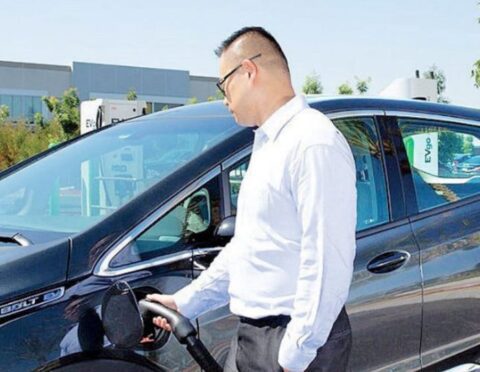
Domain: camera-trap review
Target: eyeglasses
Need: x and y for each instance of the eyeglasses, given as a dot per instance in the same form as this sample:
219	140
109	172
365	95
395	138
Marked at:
222	81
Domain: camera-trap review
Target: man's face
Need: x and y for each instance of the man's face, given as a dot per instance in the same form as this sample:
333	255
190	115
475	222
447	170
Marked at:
236	88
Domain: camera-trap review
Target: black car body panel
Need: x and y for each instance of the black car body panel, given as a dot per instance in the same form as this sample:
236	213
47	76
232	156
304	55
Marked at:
24	270
409	317
451	277
385	310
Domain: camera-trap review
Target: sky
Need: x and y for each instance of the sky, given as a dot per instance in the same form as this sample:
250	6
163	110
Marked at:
336	39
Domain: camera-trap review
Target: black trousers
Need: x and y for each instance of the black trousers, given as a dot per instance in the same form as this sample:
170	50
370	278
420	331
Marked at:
258	340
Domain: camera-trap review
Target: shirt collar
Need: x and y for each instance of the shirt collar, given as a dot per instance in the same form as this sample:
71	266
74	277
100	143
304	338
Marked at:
274	124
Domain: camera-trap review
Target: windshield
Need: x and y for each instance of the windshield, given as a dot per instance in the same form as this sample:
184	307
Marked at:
76	186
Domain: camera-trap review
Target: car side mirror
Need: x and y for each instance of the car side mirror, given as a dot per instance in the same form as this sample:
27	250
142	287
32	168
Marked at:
226	229
198	213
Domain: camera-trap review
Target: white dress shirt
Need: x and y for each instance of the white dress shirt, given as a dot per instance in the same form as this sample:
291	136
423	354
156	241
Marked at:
294	243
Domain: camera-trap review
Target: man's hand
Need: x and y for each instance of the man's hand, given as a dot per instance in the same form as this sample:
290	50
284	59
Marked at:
168	301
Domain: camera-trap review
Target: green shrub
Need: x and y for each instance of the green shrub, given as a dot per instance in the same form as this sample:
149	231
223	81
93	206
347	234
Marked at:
66	111
19	141
4	113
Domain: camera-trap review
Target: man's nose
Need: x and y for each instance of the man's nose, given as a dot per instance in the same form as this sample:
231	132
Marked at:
225	101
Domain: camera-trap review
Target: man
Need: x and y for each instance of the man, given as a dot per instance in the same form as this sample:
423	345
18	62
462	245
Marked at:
287	270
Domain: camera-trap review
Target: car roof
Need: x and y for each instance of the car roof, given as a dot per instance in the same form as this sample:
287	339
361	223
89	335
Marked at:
330	105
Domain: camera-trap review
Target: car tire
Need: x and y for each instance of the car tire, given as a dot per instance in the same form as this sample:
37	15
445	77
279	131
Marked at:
105	361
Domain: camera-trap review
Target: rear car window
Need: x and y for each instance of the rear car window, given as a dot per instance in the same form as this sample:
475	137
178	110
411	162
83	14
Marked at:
444	158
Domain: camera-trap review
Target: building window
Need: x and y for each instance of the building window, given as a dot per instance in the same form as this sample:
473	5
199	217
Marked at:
7	101
16	109
37	105
22	107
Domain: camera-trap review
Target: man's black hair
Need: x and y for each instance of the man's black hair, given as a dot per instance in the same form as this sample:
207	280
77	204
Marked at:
245	30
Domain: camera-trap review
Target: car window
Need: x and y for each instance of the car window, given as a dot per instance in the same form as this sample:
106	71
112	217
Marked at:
372	202
188	224
361	134
444	158
235	177
82	183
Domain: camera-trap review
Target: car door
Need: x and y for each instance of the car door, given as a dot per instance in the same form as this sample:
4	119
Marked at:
157	256
385	299
445	198
384	304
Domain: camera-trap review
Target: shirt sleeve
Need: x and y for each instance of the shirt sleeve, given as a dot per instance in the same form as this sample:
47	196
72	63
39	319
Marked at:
210	290
323	188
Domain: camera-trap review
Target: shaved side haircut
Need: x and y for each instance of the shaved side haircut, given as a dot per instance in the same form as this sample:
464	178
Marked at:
257	36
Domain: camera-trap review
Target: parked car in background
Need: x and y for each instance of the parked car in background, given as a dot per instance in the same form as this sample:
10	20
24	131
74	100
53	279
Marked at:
151	201
469	165
461	157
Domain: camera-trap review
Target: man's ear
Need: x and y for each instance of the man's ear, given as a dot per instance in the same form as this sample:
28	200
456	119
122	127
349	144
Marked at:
250	67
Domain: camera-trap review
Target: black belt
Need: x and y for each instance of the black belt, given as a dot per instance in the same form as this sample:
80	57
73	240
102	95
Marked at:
283	320
270	321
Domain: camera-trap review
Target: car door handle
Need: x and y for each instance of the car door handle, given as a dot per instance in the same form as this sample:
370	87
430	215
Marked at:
388	261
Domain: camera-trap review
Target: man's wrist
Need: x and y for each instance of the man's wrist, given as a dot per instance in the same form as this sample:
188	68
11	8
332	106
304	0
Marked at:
294	357
184	301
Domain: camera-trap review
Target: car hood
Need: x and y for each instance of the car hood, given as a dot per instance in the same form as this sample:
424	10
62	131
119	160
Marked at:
26	270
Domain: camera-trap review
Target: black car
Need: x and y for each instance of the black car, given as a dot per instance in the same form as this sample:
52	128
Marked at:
152	200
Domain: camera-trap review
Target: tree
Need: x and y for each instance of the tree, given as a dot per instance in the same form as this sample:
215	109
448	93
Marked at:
312	84
345	89
66	111
468	145
38	119
476	74
19	141
449	144
362	85
434	73
51	102
192	101
217	97
476	68
4	113
132	95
